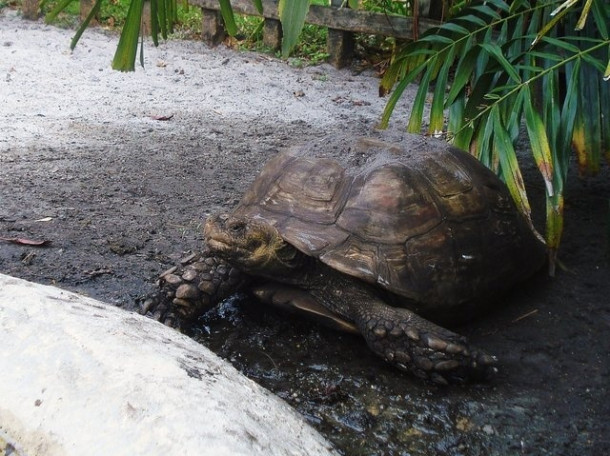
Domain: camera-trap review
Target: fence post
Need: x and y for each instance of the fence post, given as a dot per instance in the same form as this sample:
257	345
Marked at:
29	9
339	44
272	33
213	28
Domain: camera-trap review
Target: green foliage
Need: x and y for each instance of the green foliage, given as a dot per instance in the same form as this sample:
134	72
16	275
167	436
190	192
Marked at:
505	63
312	44
92	14
125	56
386	6
114	12
164	14
227	16
61	13
111	12
292	16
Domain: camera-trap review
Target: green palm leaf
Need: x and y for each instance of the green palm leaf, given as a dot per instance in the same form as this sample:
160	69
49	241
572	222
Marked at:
541	149
125	55
515	63
292	16
227	16
79	32
164	15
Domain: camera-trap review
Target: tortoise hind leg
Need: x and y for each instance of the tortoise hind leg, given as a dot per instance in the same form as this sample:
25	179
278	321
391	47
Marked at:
300	301
417	345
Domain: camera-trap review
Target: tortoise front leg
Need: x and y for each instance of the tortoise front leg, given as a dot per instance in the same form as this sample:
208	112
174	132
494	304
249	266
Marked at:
188	290
417	345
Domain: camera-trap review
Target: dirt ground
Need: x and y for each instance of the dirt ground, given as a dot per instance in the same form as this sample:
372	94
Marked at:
88	163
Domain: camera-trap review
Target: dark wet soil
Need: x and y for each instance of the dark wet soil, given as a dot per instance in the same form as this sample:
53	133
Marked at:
119	212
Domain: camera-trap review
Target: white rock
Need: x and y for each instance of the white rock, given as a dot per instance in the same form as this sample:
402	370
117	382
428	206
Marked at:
79	377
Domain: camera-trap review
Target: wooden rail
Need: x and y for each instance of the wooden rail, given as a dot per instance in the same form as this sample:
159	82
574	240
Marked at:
341	22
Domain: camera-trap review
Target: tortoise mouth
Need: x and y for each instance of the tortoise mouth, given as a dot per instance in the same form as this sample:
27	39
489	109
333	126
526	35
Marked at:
217	245
247	243
214	236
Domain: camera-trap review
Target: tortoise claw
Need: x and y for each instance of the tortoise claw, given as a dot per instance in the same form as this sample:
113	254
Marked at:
159	307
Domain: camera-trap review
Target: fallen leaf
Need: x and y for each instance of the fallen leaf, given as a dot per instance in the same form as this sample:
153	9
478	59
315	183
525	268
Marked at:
23	241
463	424
162	117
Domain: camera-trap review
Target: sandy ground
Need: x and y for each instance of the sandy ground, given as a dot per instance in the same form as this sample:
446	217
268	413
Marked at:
86	163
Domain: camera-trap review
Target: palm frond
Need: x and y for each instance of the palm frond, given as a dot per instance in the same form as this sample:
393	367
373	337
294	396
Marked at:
292	16
125	55
81	29
227	15
516	63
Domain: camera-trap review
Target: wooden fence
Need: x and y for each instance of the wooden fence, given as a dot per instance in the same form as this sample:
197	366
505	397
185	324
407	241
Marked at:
342	23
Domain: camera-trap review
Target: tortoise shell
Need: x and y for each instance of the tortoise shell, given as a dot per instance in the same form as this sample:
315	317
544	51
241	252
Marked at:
420	218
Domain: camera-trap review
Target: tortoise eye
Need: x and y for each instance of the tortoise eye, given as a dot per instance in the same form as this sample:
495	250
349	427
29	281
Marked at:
236	227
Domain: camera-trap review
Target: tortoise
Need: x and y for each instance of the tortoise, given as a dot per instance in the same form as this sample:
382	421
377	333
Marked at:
389	240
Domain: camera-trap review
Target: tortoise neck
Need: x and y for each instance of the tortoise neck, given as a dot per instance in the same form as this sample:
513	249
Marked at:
287	264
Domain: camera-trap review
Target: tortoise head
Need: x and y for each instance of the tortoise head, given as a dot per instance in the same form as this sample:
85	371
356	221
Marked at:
250	245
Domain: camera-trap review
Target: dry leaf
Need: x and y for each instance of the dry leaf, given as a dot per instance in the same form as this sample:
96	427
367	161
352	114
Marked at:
162	117
23	241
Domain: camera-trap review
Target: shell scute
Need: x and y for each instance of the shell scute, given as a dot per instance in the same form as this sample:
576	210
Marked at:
354	257
388	205
448	177
307	189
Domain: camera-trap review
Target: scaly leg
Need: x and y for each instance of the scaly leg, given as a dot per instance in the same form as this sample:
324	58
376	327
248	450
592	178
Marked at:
419	346
188	290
